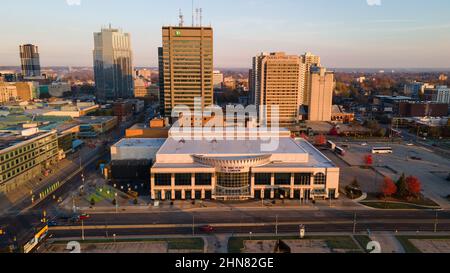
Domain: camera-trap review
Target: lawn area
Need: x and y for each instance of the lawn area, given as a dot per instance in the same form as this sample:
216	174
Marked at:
102	193
173	243
410	247
236	244
393	205
362	240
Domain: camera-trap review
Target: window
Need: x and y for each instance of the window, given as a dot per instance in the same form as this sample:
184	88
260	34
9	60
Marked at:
320	179
183	179
163	179
262	178
282	179
302	179
203	179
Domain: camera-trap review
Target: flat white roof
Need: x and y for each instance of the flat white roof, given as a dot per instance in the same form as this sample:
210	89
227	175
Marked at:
140	142
288	153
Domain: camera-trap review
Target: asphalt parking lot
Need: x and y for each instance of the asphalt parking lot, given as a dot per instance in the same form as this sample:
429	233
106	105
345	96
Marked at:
430	168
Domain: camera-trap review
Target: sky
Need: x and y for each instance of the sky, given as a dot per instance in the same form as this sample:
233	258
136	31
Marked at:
345	33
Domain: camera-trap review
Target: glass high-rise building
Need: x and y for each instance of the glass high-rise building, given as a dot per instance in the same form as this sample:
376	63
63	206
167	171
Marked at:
186	67
113	67
30	63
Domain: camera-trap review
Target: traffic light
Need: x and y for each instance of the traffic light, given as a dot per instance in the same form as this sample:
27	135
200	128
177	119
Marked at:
2	232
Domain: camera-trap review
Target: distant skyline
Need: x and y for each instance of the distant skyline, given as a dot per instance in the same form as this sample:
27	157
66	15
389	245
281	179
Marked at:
345	33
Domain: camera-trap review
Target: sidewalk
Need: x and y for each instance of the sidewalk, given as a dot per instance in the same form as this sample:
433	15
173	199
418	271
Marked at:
219	206
18	200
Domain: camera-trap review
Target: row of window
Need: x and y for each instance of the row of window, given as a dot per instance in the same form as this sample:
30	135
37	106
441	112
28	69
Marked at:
19	170
183	179
300	179
204	179
28	156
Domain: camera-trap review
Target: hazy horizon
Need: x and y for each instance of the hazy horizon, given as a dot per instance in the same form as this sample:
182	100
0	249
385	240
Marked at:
348	34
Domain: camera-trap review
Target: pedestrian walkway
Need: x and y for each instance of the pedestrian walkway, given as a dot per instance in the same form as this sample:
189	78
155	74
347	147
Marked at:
166	206
388	243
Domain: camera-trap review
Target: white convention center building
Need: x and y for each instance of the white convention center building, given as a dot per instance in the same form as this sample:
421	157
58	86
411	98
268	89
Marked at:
239	168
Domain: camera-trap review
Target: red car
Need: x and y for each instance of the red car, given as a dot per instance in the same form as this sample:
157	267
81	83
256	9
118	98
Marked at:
207	229
84	216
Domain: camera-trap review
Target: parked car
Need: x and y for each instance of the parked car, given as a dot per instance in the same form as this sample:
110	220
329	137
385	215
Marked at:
207	229
84	216
52	223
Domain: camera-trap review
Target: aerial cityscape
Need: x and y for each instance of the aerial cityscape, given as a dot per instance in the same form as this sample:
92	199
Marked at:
174	129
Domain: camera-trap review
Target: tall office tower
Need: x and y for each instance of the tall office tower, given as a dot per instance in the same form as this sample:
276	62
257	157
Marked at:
187	67
278	82
251	87
309	60
113	66
29	58
321	95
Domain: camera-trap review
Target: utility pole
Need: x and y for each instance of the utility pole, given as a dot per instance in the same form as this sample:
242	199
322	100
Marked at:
436	222
193	225
276	225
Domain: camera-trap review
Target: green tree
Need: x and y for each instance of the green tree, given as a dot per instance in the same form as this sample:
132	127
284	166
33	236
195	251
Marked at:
92	201
355	184
402	187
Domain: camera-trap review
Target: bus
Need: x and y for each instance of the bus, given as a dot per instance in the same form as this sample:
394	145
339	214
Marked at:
340	151
382	150
37	238
331	145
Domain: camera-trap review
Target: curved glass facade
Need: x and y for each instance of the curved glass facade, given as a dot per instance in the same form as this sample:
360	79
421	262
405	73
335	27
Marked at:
233	184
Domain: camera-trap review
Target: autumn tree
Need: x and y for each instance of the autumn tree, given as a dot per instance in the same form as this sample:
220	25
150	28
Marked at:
414	186
368	159
320	140
334	131
389	188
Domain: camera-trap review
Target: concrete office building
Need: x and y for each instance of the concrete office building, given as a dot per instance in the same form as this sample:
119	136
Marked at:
29	59
186	67
113	68
320	96
237	169
309	60
416	89
25	155
8	93
442	94
278	81
217	79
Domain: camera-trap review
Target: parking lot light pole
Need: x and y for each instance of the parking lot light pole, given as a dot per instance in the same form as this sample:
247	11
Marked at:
82	230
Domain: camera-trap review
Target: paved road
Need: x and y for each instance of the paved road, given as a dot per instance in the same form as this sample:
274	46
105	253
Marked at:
243	222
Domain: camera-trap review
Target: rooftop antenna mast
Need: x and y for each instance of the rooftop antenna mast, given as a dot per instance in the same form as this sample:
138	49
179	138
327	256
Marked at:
192	13
201	17
196	17
181	22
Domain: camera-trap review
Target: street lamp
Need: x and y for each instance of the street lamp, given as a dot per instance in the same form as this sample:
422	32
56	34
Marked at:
302	231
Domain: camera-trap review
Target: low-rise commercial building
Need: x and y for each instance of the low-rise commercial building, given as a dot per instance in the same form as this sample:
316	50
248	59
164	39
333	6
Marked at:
132	158
338	114
91	127
24	156
239	169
